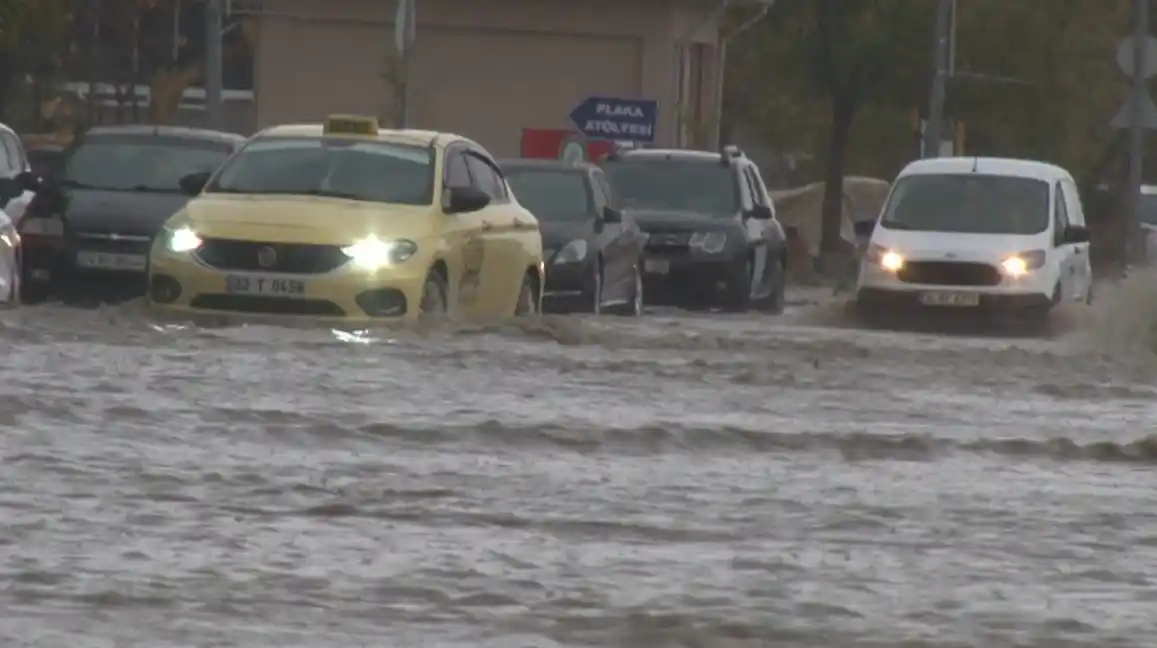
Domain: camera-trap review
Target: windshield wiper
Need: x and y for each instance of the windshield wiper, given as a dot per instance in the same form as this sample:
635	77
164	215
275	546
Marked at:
330	194
155	189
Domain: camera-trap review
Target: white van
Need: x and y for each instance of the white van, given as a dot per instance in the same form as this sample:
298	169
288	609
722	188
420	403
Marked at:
978	234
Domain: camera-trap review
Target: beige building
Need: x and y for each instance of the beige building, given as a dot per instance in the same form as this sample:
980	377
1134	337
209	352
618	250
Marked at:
489	68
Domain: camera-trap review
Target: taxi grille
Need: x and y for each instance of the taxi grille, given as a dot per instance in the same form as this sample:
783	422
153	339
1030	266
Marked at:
267	305
291	258
949	273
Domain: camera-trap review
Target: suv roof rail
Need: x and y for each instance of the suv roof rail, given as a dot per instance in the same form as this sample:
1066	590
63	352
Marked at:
731	151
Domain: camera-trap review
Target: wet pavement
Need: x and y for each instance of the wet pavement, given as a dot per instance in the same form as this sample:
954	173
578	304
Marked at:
695	481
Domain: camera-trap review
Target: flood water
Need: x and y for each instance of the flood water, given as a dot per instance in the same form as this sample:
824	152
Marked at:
672	481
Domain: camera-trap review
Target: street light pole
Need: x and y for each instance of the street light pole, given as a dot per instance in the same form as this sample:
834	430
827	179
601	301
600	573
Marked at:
934	130
214	66
1135	248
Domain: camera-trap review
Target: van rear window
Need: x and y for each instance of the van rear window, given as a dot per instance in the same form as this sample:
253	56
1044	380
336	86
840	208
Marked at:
968	203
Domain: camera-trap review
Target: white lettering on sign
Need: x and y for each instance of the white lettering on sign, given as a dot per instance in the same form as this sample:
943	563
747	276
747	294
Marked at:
616	129
610	110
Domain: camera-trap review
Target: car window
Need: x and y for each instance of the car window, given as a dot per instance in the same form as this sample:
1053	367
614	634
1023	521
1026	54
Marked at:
19	162
370	171
141	162
757	196
761	188
606	189
1060	217
552	194
968	203
1073	203
705	187
598	190
485	177
457	174
8	166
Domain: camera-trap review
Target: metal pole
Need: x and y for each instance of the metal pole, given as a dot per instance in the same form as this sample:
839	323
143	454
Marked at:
934	131
1134	248
721	71
214	66
404	91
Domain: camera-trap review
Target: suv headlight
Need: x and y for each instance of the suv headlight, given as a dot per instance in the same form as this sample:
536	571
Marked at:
1021	264
887	259
573	252
710	242
181	240
372	253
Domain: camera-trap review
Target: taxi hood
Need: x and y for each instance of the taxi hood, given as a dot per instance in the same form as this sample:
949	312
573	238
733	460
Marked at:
304	219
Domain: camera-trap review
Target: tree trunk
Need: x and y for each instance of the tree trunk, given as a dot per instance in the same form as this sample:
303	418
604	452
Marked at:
833	248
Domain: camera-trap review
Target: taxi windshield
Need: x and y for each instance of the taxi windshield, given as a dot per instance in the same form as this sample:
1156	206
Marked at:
371	171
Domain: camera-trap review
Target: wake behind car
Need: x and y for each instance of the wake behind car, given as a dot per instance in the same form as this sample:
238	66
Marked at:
593	253
347	220
88	231
976	235
712	235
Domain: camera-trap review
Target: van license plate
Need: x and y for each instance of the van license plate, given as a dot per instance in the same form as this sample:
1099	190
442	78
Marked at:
958	299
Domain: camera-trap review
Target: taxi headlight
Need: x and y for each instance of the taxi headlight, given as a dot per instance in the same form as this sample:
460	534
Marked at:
573	252
183	240
372	252
889	260
1021	264
710	242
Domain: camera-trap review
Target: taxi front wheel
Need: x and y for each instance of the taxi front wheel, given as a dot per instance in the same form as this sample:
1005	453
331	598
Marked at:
433	306
527	297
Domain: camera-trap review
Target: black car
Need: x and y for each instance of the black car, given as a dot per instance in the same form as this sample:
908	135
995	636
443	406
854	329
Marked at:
88	231
592	251
712	235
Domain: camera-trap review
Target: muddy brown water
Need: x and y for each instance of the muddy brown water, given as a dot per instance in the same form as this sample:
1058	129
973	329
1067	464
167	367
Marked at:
671	481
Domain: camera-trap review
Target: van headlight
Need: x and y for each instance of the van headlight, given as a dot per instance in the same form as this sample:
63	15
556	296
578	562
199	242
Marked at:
709	242
372	253
1021	264
889	260
573	252
182	240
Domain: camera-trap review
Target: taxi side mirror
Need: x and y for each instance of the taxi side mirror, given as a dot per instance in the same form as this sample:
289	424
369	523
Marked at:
463	200
193	183
612	215
1077	234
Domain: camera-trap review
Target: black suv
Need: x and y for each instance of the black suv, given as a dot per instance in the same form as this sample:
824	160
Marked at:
712	235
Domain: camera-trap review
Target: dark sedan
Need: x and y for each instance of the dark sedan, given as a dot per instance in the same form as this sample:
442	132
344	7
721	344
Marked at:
87	232
592	252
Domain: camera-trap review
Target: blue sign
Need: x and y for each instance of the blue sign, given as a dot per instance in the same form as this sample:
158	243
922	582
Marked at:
610	118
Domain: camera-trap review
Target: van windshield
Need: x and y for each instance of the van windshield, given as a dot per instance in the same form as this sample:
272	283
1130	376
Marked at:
968	203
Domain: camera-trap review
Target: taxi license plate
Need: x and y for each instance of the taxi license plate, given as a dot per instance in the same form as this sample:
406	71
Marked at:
657	266
237	285
957	299
111	261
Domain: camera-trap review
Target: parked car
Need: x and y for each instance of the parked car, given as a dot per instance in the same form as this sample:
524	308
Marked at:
712	234
46	160
593	252
88	232
976	235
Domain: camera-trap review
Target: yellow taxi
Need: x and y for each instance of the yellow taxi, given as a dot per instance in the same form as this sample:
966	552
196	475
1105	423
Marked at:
348	220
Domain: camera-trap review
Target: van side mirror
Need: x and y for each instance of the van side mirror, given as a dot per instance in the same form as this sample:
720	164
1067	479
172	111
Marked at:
864	228
612	215
194	183
760	212
1077	234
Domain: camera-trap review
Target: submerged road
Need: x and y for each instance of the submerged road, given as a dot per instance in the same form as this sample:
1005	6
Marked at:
672	481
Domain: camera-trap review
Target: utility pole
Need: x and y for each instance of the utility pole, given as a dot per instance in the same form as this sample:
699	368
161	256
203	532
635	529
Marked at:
1135	246
405	33
934	130
214	65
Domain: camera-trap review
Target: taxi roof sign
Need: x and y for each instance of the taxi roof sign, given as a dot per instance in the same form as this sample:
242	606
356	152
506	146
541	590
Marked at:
350	125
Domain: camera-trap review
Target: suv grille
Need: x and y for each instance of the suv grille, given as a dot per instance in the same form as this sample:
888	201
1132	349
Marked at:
290	258
668	240
949	273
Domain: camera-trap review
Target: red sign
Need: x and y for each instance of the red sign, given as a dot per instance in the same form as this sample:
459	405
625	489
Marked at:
562	144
